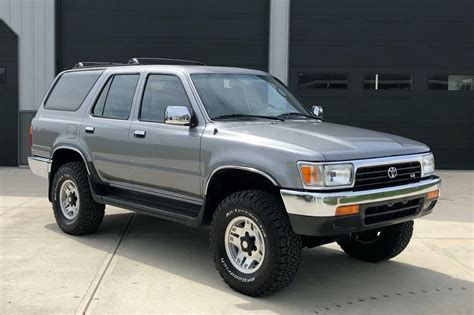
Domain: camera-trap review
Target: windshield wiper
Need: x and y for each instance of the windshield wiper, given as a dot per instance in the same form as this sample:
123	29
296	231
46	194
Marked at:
293	114
231	116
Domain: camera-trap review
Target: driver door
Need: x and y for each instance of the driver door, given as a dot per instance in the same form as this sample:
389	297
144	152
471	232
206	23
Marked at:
165	157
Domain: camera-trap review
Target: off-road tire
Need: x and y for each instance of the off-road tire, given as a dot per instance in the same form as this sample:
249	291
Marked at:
391	242
282	245
90	213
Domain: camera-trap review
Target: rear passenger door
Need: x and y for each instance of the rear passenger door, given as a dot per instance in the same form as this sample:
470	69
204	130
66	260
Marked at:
165	157
106	127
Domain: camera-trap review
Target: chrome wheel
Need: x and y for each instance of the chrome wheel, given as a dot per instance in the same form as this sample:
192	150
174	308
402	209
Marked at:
69	199
244	244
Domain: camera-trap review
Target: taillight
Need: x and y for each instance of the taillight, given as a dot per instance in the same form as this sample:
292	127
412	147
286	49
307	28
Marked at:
30	135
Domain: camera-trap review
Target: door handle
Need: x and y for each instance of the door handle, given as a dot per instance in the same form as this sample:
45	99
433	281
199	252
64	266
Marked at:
139	133
89	129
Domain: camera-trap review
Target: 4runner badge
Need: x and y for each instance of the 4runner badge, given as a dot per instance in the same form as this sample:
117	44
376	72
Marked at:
392	172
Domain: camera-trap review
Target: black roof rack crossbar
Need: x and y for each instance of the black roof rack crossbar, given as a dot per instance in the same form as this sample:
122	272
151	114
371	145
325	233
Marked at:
163	61
85	64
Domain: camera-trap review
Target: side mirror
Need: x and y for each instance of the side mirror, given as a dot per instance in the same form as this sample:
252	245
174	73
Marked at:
178	115
318	111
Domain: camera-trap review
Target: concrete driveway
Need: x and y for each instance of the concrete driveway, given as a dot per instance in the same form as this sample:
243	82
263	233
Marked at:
137	264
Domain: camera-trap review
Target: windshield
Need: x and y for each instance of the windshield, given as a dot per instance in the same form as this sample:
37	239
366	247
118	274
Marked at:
240	95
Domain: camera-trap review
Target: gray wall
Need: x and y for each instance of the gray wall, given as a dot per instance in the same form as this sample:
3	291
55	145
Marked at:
34	23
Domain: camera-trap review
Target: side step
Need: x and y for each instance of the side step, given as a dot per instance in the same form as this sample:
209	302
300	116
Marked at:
158	206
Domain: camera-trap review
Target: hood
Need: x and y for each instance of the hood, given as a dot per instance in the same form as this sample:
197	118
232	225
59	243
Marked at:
334	142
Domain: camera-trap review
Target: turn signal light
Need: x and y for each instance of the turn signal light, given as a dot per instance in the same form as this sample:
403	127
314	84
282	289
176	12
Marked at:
346	210
432	195
309	173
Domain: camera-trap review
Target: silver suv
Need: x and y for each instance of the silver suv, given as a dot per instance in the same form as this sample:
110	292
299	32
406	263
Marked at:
230	148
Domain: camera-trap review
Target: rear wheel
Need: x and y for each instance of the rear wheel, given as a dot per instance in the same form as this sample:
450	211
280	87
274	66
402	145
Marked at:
379	244
255	249
75	211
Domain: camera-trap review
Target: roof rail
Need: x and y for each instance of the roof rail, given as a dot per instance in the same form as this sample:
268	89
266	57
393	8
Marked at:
86	64
163	61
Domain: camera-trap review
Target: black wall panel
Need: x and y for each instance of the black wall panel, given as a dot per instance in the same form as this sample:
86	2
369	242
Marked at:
230	33
8	96
420	38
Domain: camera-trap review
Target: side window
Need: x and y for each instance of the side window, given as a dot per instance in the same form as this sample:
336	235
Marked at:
115	100
71	89
161	91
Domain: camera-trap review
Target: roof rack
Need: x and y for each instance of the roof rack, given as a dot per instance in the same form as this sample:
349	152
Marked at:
163	61
85	64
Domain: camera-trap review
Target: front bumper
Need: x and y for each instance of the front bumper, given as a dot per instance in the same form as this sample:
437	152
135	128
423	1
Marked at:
39	165
313	213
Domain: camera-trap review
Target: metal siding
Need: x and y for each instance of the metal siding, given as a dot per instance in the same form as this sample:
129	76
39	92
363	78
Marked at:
33	22
278	41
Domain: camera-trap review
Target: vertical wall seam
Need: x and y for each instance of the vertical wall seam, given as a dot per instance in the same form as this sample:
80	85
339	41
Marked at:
279	39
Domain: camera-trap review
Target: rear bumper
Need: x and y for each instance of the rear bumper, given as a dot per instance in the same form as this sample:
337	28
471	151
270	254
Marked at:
313	213
39	165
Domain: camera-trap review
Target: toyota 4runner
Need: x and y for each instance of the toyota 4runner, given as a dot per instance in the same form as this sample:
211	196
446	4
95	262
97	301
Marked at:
230	148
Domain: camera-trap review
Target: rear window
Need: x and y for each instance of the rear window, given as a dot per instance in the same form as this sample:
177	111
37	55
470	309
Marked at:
71	89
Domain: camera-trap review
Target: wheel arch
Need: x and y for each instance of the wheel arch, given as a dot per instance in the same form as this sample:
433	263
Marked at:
61	155
225	180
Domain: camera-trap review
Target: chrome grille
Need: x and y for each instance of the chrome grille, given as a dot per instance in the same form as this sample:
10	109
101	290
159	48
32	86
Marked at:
373	177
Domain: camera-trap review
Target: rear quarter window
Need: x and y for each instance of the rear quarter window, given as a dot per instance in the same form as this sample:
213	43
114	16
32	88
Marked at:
71	89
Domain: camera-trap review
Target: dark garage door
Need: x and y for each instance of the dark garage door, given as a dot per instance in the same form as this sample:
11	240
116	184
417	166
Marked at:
226	32
8	96
403	67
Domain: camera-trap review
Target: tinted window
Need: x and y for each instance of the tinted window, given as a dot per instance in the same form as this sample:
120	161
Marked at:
451	82
71	90
323	81
162	91
379	81
3	76
116	98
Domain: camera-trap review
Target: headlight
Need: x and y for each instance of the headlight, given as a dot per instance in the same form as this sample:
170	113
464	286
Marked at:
428	164
326	175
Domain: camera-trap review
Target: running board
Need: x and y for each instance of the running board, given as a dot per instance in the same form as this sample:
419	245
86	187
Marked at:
158	206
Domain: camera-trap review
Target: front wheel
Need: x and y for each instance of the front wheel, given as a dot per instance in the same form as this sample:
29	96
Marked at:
255	249
379	244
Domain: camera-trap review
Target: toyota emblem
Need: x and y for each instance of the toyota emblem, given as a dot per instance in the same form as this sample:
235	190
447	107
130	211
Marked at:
392	172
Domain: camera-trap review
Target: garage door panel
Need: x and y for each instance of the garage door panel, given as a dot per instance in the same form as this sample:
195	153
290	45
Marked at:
415	55
225	53
216	33
202	6
210	26
417	38
419	8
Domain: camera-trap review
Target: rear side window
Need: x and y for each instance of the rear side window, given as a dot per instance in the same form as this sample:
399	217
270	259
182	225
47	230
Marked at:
115	100
71	89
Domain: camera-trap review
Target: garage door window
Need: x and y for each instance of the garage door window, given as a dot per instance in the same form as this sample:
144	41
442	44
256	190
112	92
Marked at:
3	76
380	81
451	82
323	81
